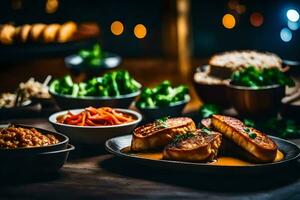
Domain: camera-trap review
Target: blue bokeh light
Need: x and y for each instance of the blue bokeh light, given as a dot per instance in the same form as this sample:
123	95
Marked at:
286	35
293	25
292	15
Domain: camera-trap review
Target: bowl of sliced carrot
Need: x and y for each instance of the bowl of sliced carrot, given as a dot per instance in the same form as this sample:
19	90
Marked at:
94	125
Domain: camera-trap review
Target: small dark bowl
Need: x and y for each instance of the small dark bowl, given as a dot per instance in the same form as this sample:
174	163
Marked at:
62	144
291	110
24	105
25	110
34	163
43	101
256	102
76	64
70	102
174	110
211	93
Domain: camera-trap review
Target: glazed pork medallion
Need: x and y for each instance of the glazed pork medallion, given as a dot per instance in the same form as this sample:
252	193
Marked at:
256	143
160	132
200	145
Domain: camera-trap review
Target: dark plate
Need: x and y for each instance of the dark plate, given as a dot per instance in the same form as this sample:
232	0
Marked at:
291	151
63	143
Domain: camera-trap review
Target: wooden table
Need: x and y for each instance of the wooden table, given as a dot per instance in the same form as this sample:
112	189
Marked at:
92	173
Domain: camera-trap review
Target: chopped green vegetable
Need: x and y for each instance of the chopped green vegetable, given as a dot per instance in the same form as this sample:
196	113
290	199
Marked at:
92	57
75	90
255	78
114	83
207	110
68	81
162	95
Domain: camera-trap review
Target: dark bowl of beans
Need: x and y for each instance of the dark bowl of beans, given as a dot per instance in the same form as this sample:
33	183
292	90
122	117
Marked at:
22	139
26	150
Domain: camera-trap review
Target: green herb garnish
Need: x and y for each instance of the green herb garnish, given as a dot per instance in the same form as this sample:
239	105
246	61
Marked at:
247	129
249	122
162	122
255	78
181	137
206	130
207	110
252	135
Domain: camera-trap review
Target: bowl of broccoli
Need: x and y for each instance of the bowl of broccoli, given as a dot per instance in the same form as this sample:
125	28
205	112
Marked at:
92	60
258	92
114	89
163	100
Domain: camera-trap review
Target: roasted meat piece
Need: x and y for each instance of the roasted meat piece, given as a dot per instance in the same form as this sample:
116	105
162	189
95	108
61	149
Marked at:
197	147
158	133
256	143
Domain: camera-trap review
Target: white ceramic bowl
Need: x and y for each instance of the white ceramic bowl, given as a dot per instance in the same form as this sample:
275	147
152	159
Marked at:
94	134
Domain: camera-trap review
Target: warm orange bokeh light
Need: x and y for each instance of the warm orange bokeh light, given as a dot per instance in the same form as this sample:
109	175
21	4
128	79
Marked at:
256	19
228	21
140	31
117	28
51	6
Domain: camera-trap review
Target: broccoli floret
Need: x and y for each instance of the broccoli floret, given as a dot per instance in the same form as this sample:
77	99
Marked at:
162	95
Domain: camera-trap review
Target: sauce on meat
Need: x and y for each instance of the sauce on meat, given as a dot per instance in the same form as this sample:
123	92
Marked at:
221	161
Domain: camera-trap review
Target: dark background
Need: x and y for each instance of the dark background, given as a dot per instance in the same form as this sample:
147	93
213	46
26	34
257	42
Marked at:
208	36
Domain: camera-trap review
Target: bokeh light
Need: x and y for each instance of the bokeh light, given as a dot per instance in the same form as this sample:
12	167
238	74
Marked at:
232	4
256	19
286	35
117	28
228	21
51	6
292	15
293	25
140	31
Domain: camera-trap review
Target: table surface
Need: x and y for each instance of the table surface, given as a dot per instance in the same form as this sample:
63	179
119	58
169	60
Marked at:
92	173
